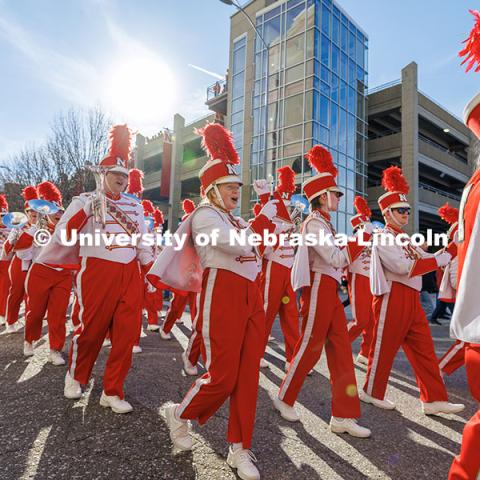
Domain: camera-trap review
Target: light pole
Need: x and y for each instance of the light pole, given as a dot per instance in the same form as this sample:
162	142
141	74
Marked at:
267	51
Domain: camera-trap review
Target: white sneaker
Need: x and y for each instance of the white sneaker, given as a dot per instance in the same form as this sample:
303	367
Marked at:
2	320
385	404
11	328
287	367
27	349
286	411
152	327
115	403
137	349
361	359
56	358
142	333
179	320
348	425
434	408
72	389
179	430
243	461
164	335
107	343
188	367
263	363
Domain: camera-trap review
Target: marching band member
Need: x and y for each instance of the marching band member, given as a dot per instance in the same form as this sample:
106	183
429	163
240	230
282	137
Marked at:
359	287
109	284
465	324
177	307
275	283
17	241
318	269
396	279
48	289
454	357
231	315
4	260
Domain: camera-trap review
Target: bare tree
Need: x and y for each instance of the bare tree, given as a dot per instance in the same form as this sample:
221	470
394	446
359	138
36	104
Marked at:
77	138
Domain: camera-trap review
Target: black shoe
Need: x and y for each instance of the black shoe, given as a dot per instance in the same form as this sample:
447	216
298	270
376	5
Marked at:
434	321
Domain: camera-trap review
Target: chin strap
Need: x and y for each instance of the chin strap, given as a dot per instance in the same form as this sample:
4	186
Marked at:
392	218
329	201
219	197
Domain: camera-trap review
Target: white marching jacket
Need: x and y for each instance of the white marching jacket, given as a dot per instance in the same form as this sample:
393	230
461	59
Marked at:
448	286
282	254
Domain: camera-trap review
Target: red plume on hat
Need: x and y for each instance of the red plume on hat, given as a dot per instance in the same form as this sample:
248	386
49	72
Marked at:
3	204
361	206
286	179
471	51
29	193
448	213
135	182
394	181
148	208
256	209
188	207
158	218
119	149
321	160
217	141
48	191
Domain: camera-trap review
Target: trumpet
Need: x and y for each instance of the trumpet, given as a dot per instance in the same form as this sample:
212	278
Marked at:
15	221
99	204
43	208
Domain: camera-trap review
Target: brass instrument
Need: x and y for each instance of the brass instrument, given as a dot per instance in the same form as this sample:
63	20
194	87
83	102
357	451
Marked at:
15	221
99	204
299	204
43	208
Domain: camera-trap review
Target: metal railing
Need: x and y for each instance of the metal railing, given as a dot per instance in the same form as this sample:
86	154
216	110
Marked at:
383	86
442	148
425	186
217	89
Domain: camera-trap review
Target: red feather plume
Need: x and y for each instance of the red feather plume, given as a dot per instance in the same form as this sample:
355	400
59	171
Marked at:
158	217
286	179
148	208
361	206
256	209
188	206
394	181
448	214
29	193
135	183
120	139
321	160
471	51
217	141
48	191
3	202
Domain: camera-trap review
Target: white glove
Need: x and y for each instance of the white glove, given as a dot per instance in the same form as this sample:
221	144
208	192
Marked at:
261	187
368	228
443	259
269	209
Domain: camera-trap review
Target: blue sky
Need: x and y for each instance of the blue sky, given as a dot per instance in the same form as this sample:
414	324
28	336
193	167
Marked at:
56	54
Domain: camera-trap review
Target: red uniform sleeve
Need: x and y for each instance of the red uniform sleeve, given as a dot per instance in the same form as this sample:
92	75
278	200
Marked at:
76	222
25	241
259	224
423	266
355	248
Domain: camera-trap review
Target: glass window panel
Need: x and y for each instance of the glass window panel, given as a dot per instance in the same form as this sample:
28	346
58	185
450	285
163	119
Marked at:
342	131
292	149
272	13
293	110
292	134
310	107
237	131
334	126
272	96
352	72
239	60
351	163
351	44
324	135
342	159
310	44
342	176
335	30
343	94
271	31
236	117
335	59
341	219
294	88
349	201
359	56
308	129
273	114
335	86
343	66
292	3
336	11
238	84
325	20
295	50
316	132
351	179
295	20
311	82
351	136
324	110
360	148
310	13
274	59
360	106
351	100
237	104
325	74
294	73
325	49
274	81
325	88
240	43
258	65
272	139
343	37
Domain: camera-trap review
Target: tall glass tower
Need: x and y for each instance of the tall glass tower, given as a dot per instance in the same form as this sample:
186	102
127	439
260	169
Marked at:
314	74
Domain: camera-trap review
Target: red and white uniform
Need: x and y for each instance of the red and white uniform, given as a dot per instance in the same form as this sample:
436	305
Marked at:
361	301
324	321
48	289
177	307
232	322
396	280
278	295
4	265
109	289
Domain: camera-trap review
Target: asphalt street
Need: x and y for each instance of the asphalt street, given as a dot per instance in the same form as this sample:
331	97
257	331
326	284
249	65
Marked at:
43	435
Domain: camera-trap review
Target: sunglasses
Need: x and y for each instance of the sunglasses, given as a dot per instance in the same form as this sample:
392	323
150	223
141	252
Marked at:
403	210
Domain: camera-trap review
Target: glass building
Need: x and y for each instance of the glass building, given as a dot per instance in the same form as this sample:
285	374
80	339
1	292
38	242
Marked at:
316	66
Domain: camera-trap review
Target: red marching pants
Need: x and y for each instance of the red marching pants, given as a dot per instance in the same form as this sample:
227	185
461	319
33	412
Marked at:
401	322
325	325
279	297
233	323
4	286
47	290
361	299
153	304
110	296
453	359
467	465
177	307
16	294
75	310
